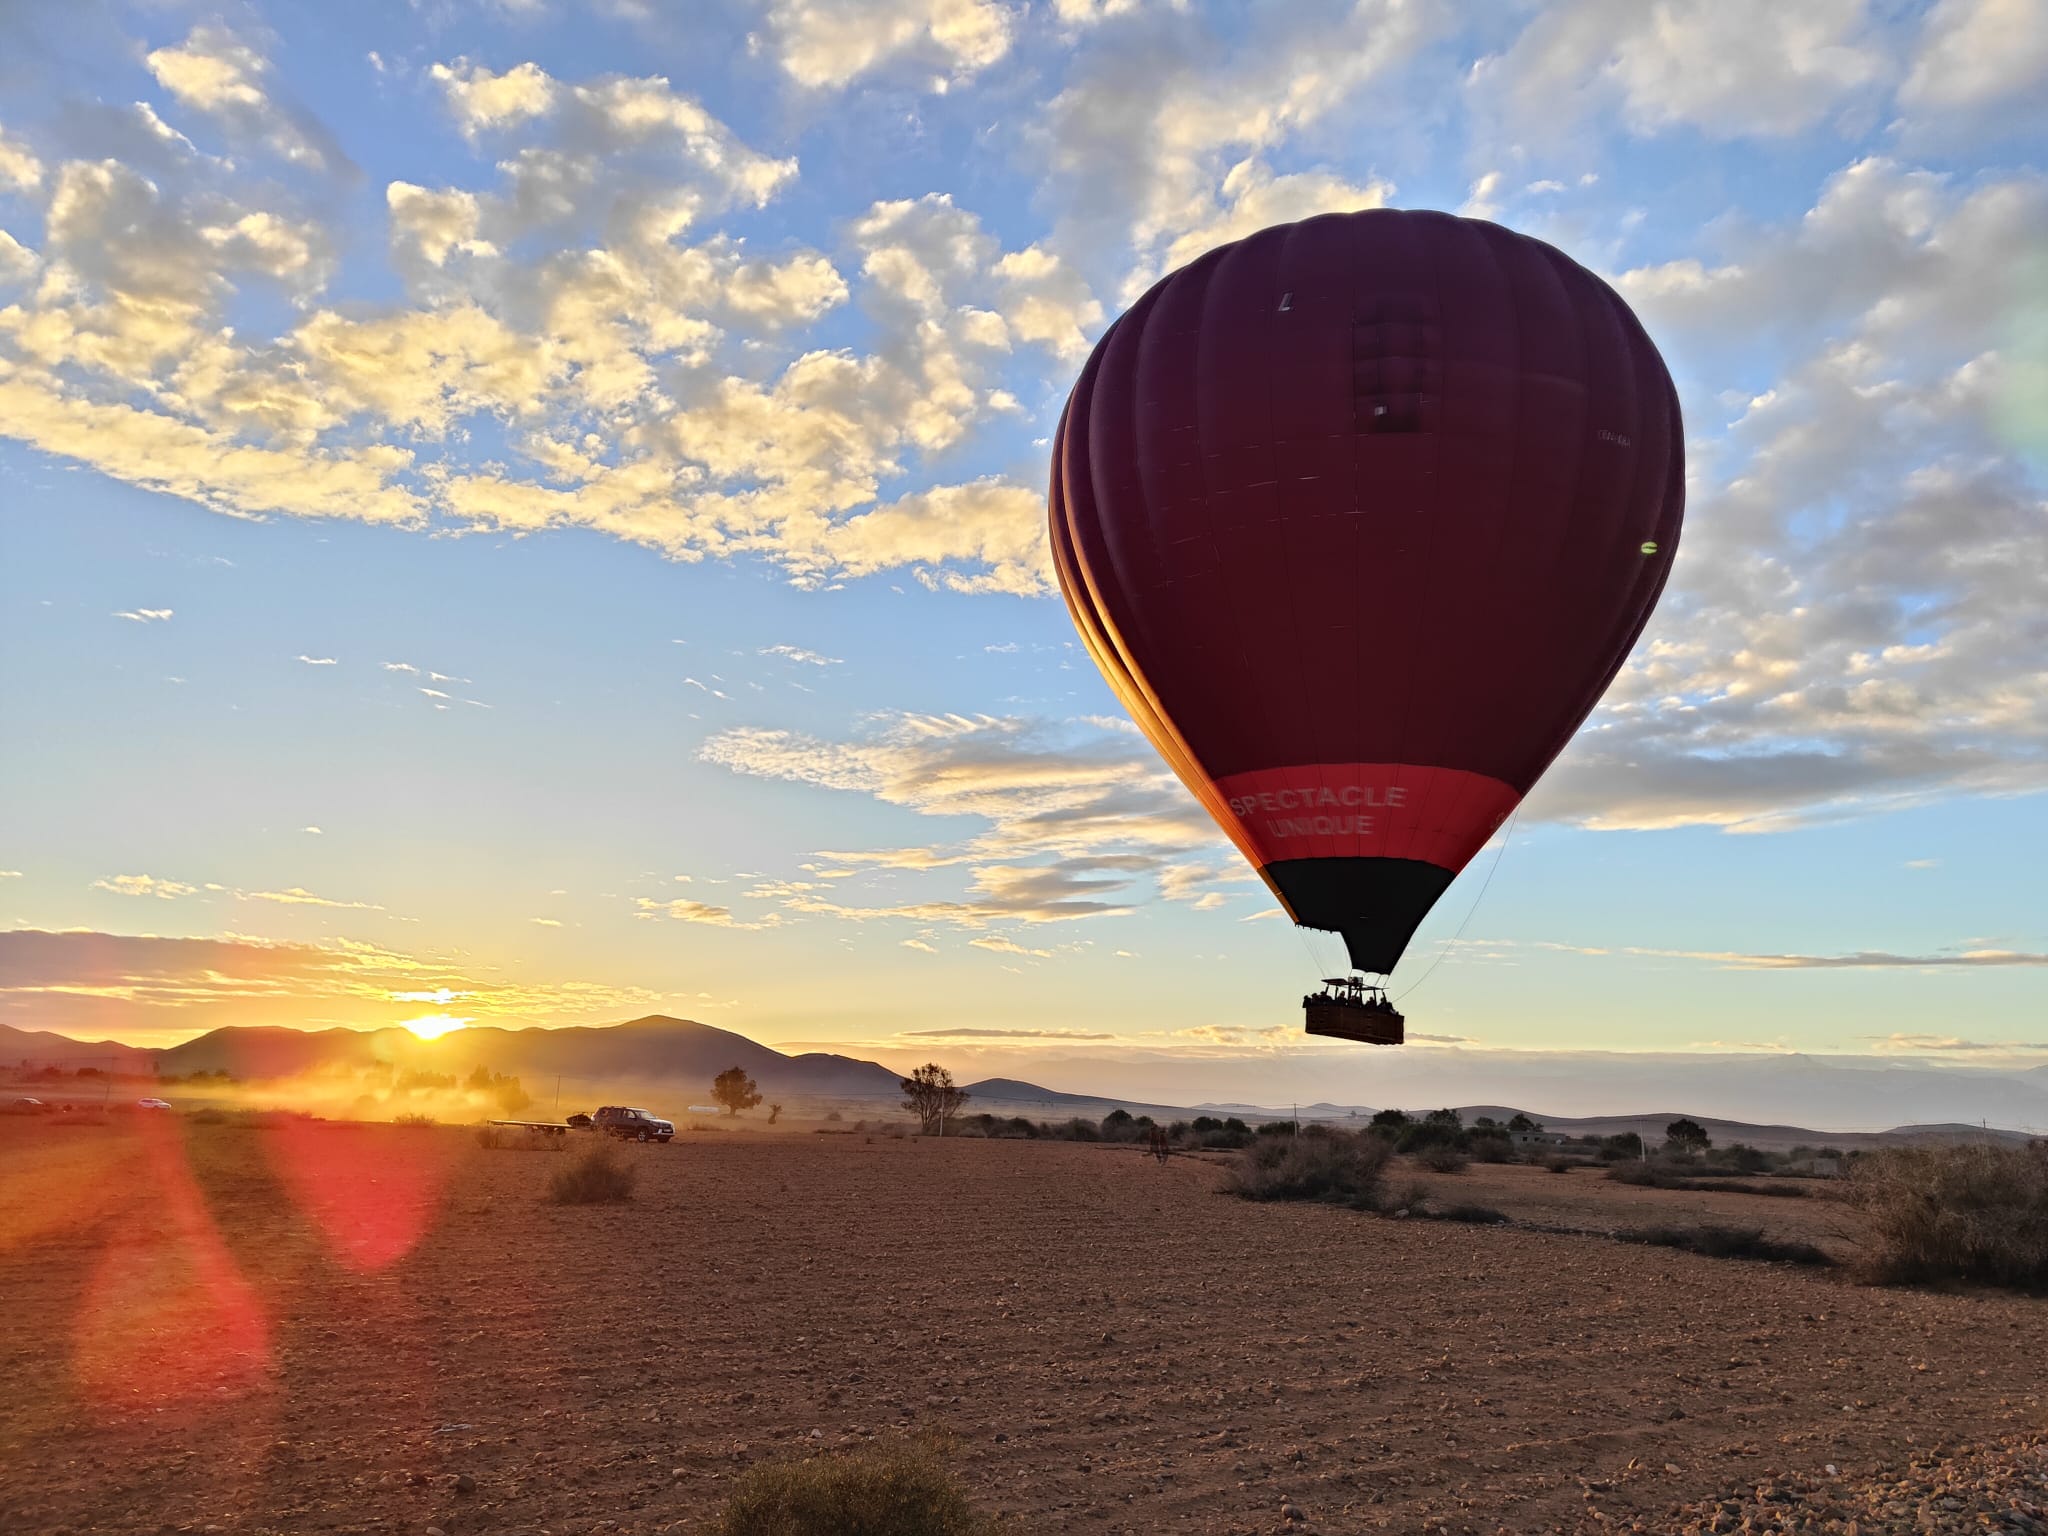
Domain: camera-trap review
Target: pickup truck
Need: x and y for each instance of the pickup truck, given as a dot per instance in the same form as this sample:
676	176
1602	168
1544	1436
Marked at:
631	1124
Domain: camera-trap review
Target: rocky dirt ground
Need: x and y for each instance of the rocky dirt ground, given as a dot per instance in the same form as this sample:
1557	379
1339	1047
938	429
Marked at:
367	1328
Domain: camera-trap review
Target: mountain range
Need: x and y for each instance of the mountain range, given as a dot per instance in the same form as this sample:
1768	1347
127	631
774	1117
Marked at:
1761	1098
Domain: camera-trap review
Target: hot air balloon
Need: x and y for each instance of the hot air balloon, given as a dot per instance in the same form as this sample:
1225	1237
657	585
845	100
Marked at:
1359	517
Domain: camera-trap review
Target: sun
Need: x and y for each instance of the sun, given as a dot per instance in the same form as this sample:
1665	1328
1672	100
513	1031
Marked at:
432	1026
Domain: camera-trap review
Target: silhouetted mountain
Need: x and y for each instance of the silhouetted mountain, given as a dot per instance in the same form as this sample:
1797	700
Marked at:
657	1048
43	1047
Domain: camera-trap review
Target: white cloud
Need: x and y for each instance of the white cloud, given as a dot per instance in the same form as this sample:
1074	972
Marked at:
1072	820
17	262
215	72
145	615
317	661
1974	54
1730	68
299	896
799	654
827	43
482	100
19	167
700	912
1144	133
145	885
1251	198
1863	542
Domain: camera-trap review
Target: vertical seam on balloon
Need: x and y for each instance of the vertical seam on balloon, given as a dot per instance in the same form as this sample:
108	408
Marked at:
1554	264
1604	655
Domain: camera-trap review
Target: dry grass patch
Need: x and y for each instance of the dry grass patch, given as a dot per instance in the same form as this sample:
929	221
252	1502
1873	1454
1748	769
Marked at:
902	1489
1338	1168
1956	1213
598	1177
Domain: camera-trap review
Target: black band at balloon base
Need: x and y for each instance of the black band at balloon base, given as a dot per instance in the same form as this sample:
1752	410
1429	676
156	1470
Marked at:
1377	904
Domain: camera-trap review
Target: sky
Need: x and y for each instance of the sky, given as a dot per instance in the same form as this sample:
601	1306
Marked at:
533	513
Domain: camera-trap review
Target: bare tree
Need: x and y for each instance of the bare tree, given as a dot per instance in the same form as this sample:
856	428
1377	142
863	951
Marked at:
929	1094
733	1091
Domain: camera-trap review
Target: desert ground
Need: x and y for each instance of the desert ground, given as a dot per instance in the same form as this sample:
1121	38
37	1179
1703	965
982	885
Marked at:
335	1327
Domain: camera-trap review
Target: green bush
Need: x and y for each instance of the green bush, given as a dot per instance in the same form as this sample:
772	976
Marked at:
901	1489
1340	1168
598	1177
1955	1213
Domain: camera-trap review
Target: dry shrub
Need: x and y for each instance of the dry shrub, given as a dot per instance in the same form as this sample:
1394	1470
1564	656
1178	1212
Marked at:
1477	1215
902	1489
416	1121
1558	1164
1339	1168
1413	1200
1717	1242
598	1177
1955	1213
1443	1158
1665	1176
508	1138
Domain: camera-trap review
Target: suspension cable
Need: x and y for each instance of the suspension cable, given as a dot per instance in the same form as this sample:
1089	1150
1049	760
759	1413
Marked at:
1506	832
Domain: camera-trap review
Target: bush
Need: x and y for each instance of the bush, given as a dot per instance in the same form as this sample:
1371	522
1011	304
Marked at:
415	1121
1955	1213
1412	1201
208	1117
1492	1147
1443	1158
1615	1148
598	1177
1429	1133
1726	1243
1276	1128
895	1490
1677	1176
1555	1164
1478	1215
1342	1169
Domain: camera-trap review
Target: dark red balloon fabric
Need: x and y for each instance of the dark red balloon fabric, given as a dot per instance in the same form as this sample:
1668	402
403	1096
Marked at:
1360	516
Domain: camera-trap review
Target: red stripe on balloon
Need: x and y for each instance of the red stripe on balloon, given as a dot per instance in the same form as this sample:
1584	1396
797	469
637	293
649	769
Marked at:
1440	816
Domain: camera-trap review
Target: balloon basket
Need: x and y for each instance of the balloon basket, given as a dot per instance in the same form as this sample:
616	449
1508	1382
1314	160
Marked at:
1348	1021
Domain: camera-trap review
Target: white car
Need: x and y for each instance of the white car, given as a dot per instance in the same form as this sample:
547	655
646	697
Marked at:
152	1103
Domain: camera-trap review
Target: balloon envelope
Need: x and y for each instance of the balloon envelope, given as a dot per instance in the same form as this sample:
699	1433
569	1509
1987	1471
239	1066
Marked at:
1359	517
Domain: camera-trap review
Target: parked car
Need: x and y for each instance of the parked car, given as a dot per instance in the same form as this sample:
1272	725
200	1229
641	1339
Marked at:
632	1124
152	1103
26	1106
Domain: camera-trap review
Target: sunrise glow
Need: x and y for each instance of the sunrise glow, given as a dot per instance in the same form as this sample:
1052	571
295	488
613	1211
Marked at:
432	1026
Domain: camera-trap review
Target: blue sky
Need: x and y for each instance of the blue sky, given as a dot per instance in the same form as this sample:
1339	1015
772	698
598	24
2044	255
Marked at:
587	462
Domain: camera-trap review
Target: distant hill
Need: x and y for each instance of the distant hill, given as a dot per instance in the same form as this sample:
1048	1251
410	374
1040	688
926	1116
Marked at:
42	1047
1009	1095
682	1056
655	1048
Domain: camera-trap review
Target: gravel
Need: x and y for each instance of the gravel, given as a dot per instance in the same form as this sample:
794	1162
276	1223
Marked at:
2000	1486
